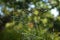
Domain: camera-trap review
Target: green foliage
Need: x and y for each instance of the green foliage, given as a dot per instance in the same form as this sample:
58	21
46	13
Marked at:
31	24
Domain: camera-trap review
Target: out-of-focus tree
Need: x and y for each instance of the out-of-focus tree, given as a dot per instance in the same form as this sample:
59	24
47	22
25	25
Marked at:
29	20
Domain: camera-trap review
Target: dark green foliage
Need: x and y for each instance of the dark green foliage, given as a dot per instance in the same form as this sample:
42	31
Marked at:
29	24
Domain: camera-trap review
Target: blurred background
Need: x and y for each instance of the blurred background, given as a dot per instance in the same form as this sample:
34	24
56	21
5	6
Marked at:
29	19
